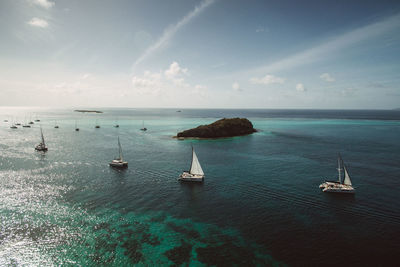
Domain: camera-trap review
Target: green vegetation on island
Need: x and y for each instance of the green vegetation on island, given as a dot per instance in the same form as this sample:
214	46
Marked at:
221	128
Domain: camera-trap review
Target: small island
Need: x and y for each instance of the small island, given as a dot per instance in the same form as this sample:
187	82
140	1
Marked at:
221	128
87	111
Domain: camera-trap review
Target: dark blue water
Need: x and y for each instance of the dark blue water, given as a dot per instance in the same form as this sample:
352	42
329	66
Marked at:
259	205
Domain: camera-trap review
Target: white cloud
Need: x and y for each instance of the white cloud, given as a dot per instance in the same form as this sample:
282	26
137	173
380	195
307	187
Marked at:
328	47
85	76
236	86
175	70
167	83
43	3
267	79
349	92
327	77
300	87
36	22
170	31
261	29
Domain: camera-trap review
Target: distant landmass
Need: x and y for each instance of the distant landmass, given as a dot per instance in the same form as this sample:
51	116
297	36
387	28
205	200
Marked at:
87	111
221	128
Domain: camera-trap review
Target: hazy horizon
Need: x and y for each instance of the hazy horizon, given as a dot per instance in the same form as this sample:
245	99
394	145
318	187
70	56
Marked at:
200	54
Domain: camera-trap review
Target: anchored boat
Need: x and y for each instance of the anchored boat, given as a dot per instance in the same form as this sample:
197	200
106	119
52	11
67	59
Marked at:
339	186
195	173
119	162
42	146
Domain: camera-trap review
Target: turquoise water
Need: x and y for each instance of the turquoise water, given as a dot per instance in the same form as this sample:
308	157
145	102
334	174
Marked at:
259	205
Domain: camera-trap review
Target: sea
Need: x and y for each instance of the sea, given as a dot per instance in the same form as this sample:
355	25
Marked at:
260	203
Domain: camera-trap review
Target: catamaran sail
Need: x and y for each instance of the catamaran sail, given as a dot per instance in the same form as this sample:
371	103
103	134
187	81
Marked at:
341	186
195	173
347	180
120	150
195	167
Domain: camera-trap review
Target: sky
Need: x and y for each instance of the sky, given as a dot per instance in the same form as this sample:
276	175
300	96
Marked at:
308	54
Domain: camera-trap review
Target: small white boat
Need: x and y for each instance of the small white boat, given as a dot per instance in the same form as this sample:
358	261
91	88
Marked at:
339	186
195	173
42	146
119	162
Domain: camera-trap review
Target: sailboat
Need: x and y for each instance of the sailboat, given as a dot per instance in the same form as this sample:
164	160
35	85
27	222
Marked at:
56	125
119	162
97	125
116	125
42	146
339	186
76	127
143	128
26	125
195	173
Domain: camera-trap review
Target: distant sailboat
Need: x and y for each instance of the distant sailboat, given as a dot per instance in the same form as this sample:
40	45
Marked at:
31	122
42	146
195	174
97	125
26	125
76	126
143	128
119	162
339	186
116	124
56	125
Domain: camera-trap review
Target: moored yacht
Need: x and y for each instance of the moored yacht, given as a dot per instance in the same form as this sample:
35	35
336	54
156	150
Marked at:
119	162
42	145
339	186
195	173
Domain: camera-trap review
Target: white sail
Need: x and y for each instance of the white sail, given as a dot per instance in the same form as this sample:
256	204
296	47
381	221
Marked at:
339	169
195	168
347	180
120	150
41	132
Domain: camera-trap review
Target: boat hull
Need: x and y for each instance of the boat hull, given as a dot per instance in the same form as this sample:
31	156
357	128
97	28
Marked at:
188	177
120	165
336	187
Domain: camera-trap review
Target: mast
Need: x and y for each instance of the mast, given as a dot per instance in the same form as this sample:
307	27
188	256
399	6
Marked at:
120	150
41	132
339	169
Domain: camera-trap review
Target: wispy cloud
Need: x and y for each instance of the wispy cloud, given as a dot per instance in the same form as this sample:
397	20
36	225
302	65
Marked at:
43	3
172	30
327	77
37	22
336	43
267	79
300	87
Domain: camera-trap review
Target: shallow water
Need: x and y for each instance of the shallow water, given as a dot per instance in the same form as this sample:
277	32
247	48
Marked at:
259	205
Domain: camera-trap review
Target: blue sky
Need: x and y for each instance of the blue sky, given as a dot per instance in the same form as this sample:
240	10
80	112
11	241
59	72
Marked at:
200	54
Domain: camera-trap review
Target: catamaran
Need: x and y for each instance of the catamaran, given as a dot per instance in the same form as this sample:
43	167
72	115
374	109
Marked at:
339	186
119	162
76	127
143	128
42	146
195	173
